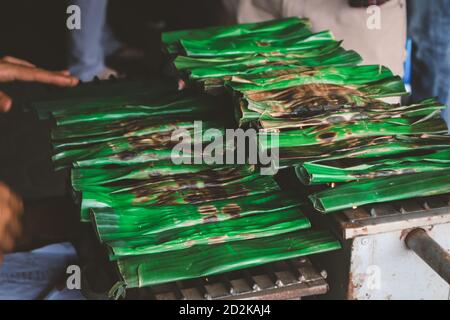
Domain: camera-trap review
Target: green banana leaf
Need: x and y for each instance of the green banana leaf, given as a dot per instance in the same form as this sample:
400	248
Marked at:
128	150
300	41
204	173
174	105
316	105
208	260
362	148
84	177
240	229
379	190
127	158
316	137
342	116
171	39
317	173
114	224
200	68
177	190
281	113
130	130
149	98
93	95
374	81
99	131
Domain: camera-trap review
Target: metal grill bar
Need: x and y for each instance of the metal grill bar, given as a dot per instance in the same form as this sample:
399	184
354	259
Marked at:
395	216
291	279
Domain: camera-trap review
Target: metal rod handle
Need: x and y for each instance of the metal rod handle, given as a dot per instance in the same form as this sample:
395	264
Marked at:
430	251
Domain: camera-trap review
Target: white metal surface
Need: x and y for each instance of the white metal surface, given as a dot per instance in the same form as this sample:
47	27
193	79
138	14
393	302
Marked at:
383	268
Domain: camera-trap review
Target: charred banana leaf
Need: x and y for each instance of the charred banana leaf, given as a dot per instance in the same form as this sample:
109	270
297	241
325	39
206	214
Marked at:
319	173
401	187
173	105
330	134
239	229
372	80
178	190
201	68
315	105
83	178
172	39
208	260
298	41
121	223
363	148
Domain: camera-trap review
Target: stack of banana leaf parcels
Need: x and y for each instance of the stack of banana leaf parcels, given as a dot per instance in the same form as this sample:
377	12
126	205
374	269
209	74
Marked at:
334	126
160	220
166	217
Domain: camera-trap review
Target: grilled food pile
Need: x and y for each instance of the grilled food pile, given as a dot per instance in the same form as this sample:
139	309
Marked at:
332	122
164	220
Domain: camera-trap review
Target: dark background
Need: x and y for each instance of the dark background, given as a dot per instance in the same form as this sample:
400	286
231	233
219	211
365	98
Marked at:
36	29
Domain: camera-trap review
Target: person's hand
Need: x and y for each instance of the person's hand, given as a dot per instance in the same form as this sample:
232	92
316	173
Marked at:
13	69
10	210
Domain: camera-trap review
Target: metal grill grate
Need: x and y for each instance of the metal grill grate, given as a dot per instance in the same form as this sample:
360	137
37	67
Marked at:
292	279
396	215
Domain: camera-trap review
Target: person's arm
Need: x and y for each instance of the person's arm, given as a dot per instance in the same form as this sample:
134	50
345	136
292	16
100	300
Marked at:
13	69
10	210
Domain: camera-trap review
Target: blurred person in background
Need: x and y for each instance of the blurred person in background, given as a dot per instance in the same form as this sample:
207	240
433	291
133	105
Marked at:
93	43
91	46
429	29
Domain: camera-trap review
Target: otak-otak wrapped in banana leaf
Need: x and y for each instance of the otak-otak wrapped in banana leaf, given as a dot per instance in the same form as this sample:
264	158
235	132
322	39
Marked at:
369	147
372	80
312	173
216	55
120	223
119	130
301	40
301	117
177	105
319	135
84	177
205	260
355	194
223	67
172	39
229	183
217	173
93	95
238	229
128	150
